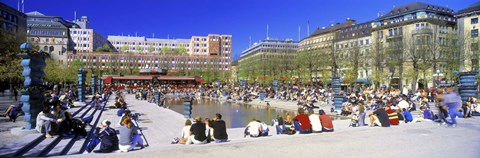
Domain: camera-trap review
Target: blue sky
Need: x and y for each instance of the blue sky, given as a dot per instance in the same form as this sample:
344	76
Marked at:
241	18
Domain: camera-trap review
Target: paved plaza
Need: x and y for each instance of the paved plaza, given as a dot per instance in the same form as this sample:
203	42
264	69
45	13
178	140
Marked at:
425	139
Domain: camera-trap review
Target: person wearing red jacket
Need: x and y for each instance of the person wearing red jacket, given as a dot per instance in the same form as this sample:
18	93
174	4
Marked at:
302	122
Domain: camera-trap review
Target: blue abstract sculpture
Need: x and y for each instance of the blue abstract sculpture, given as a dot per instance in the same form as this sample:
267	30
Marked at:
81	84
33	63
337	98
187	107
468	84
94	82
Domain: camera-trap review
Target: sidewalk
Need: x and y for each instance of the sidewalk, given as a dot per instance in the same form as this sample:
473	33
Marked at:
5	124
406	140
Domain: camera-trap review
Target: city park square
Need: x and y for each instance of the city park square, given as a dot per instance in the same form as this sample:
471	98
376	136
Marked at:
328	94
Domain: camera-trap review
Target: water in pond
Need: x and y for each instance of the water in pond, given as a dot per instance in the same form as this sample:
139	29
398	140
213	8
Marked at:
234	114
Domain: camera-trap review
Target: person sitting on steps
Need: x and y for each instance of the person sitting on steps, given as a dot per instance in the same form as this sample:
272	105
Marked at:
129	136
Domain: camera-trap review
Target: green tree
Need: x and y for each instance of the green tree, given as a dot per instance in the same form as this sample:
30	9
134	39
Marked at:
10	64
104	48
53	71
72	71
181	49
138	48
125	48
151	49
165	49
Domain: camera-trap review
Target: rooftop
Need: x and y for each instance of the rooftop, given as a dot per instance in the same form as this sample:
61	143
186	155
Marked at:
471	8
415	6
143	38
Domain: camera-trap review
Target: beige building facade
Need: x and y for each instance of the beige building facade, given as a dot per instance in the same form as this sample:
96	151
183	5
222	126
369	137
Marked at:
467	23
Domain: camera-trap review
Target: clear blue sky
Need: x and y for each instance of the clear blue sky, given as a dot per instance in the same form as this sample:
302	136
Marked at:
240	18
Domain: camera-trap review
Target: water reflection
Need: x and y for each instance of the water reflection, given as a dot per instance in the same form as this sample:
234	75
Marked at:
234	114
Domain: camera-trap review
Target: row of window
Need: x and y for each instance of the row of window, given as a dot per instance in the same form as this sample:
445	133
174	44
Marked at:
152	44
352	44
9	27
80	32
354	28
396	31
9	17
46	32
132	59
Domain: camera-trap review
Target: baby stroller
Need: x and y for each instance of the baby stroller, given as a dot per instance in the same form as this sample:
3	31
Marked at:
354	121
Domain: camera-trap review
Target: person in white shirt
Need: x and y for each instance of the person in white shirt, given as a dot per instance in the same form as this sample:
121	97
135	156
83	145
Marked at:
253	129
185	132
403	104
315	122
44	122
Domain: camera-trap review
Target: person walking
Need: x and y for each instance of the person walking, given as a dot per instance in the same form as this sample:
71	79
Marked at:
452	101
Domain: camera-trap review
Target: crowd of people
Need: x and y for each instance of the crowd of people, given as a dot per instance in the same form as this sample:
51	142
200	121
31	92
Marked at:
125	138
383	107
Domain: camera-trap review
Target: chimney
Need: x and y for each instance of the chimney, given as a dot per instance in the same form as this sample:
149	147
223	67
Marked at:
349	22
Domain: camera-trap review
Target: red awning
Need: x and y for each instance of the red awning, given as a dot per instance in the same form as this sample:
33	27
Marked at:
109	79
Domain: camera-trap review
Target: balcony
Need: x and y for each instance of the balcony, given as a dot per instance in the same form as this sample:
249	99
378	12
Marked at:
423	31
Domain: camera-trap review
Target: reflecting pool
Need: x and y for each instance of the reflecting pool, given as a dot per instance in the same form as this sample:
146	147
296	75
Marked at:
234	114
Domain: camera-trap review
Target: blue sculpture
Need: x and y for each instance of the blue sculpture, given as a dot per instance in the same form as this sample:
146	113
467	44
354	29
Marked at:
187	107
275	85
94	86
33	63
101	85
337	98
81	84
468	84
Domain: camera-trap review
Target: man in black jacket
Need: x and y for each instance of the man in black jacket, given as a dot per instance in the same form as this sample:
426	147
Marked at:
197	132
219	129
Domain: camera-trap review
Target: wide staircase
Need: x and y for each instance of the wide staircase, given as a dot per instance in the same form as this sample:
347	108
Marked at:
36	145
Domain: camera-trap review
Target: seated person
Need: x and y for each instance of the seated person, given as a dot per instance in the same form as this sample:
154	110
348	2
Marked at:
252	129
400	115
219	129
392	116
288	119
208	130
59	115
264	129
302	122
125	115
315	121
96	103
44	122
279	124
326	121
379	117
408	116
129	136
425	115
121	111
107	136
197	132
185	132
10	112
75	124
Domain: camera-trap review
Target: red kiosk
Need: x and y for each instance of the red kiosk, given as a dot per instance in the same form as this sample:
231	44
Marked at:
145	78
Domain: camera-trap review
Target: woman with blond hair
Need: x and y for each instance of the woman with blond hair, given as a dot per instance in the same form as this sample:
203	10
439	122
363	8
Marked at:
185	132
129	136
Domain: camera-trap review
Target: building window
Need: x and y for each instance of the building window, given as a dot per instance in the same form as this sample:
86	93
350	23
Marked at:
475	33
474	20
